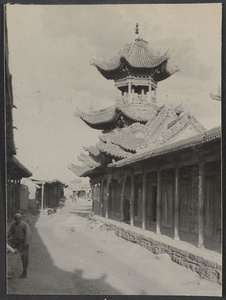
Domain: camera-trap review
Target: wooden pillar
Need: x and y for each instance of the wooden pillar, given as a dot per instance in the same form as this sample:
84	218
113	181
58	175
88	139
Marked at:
48	202
144	216
142	94
107	197
51	196
42	196
150	93
101	198
58	194
9	199
201	206
132	96
158	214
176	207
132	201
122	196
15	195
13	205
12	199
18	194
155	95
92	196
129	91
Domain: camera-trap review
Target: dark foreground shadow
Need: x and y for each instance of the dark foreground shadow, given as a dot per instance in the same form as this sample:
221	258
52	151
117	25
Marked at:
44	278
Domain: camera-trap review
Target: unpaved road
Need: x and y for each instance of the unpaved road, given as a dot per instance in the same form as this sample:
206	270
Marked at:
71	255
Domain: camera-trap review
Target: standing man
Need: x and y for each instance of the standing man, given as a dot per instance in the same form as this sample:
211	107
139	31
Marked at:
19	237
126	210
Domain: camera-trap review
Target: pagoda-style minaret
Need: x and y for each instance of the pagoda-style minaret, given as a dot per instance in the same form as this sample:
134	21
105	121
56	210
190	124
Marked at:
134	122
136	70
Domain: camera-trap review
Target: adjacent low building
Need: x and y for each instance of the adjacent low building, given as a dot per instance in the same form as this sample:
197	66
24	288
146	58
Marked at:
15	170
80	190
48	193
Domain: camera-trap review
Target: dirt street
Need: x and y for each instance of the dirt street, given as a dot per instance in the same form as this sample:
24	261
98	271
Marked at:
71	255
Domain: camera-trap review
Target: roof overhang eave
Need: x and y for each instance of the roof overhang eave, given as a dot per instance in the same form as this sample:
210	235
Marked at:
172	148
19	169
93	171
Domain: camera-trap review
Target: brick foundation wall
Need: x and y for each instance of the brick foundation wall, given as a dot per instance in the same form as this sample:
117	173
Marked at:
205	268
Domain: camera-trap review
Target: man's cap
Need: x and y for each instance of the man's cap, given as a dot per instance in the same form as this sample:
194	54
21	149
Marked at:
17	216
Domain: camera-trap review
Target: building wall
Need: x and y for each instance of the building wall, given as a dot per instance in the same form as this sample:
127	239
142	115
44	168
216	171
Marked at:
13	197
178	196
24	196
96	199
52	195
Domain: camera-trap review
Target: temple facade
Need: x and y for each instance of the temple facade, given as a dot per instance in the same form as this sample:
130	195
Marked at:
159	159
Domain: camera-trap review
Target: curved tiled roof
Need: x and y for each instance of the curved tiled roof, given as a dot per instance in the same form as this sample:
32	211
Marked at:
173	131
98	117
93	150
136	111
140	112
160	123
79	170
201	138
113	150
87	160
137	55
16	169
130	138
196	124
166	127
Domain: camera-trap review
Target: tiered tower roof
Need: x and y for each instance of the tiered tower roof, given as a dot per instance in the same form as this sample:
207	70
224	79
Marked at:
135	59
123	112
136	70
135	123
168	126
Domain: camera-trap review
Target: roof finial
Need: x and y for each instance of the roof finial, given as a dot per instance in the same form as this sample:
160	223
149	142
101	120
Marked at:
137	31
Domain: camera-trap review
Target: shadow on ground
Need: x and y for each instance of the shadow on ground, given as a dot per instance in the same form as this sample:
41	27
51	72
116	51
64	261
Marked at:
82	212
44	278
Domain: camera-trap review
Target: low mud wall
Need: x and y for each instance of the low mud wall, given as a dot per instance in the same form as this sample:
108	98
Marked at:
205	268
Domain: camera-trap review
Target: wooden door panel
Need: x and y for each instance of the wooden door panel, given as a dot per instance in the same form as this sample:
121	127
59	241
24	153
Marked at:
186	209
167	204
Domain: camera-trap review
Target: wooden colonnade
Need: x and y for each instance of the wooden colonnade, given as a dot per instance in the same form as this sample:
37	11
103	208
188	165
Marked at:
104	201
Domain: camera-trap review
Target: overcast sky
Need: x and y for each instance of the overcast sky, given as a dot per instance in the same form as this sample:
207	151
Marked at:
50	49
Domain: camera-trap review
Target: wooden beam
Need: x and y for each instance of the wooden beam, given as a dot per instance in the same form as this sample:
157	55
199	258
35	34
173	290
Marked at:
101	199
42	197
